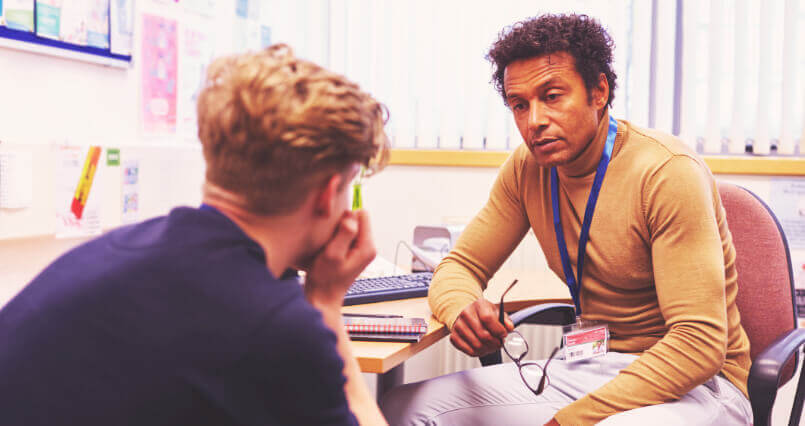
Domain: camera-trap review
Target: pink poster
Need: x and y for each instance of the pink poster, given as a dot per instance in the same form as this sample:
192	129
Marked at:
159	56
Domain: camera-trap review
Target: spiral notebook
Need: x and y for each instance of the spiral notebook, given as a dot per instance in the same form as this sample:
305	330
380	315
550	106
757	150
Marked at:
383	328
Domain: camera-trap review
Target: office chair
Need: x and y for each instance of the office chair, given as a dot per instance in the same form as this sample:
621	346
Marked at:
766	301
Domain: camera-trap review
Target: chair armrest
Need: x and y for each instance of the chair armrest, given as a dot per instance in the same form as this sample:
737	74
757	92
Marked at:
764	377
544	314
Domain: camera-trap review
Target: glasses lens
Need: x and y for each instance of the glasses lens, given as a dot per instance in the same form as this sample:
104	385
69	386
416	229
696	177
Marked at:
532	375
515	346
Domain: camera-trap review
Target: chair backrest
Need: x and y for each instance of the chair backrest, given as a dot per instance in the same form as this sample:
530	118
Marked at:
765	280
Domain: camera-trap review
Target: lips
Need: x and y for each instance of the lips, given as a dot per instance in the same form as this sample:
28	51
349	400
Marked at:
541	142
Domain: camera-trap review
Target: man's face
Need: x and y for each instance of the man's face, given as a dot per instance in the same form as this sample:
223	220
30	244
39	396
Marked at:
323	225
555	115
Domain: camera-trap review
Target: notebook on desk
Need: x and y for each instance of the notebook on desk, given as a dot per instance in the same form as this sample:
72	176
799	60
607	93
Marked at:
385	328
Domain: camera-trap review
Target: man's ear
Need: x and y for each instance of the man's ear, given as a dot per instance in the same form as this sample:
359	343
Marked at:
326	195
600	93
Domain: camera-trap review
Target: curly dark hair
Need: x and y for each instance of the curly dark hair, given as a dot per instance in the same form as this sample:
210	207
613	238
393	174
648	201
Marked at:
579	35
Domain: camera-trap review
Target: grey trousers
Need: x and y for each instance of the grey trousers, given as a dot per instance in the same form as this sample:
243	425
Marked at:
496	395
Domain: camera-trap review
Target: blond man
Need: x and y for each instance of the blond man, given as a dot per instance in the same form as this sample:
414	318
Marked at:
197	317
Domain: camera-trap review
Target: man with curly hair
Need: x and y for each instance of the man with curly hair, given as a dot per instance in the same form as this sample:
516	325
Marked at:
198	317
658	263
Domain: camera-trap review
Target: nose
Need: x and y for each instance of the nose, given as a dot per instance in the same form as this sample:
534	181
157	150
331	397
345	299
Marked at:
537	119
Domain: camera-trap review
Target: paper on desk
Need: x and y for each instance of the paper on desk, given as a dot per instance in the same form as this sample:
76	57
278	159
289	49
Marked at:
381	268
16	180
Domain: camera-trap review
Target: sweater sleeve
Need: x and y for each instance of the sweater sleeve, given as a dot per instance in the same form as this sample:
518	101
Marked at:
483	246
688	267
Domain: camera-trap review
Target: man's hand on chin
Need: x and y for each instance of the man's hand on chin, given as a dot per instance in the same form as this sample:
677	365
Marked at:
340	262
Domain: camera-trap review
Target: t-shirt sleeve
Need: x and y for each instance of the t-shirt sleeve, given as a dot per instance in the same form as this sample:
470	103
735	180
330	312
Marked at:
482	247
290	374
688	265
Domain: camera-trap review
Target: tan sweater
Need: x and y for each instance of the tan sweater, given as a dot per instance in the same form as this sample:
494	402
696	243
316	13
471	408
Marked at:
660	266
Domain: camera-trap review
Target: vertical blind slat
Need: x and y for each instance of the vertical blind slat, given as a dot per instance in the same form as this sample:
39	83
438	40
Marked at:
688	130
761	144
712	142
790	15
737	144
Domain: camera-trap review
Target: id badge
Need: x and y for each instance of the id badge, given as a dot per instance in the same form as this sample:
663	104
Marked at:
585	340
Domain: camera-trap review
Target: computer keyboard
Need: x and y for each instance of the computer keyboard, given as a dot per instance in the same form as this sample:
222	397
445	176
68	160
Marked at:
370	290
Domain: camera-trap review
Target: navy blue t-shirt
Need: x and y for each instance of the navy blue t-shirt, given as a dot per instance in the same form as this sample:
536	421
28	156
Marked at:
176	320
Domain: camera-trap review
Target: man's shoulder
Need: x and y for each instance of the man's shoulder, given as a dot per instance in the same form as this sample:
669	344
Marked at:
652	149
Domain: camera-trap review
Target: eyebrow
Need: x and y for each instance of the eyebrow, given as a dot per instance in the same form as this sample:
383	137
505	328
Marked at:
550	82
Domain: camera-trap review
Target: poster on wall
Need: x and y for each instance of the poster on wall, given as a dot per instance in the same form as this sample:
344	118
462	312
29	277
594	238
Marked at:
121	30
98	24
48	18
73	26
196	55
787	200
19	14
159	69
2	21
77	193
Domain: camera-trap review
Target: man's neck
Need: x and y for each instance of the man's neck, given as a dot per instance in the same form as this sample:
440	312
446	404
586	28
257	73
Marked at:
587	160
277	235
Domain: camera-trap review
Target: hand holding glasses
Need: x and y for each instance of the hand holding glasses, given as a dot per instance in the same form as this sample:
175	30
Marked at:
514	344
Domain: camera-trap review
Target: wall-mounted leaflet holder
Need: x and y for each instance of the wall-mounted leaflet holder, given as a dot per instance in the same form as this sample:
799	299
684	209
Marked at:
16	180
431	245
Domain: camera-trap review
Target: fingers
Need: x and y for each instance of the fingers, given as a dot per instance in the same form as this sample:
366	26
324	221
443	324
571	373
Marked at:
477	330
465	333
488	316
344	236
461	345
364	244
508	322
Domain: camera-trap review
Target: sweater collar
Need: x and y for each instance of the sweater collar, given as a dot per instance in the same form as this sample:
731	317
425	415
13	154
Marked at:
587	161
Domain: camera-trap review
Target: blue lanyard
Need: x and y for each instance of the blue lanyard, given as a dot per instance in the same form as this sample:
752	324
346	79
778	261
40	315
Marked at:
573	283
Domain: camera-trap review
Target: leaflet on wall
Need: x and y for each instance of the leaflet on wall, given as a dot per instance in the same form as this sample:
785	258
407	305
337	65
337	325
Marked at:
196	55
121	30
265	36
16	180
98	24
19	14
130	193
77	193
73	27
201	7
48	18
242	8
247	35
159	74
787	200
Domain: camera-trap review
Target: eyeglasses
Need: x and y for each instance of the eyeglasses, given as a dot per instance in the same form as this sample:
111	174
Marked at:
534	376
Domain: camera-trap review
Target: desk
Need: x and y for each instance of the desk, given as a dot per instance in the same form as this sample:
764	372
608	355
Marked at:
386	358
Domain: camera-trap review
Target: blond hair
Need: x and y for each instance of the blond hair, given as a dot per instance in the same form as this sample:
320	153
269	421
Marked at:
274	126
